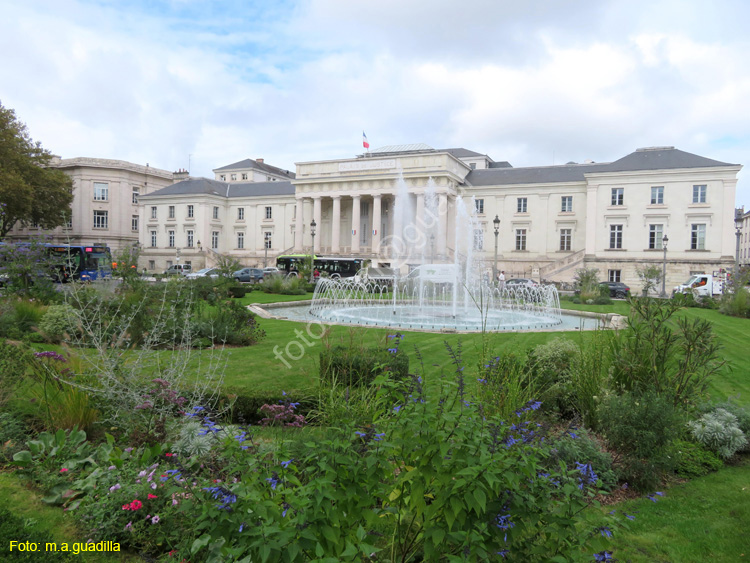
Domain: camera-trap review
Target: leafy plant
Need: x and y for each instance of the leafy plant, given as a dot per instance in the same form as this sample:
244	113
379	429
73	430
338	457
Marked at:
572	447
650	277
58	320
14	359
640	428
719	432
695	460
587	282
653	354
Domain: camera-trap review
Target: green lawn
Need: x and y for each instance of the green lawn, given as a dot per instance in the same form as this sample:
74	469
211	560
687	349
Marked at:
26	503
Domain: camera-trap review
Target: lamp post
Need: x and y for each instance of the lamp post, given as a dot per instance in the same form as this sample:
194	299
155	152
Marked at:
313	224
664	242
266	236
738	233
432	249
496	222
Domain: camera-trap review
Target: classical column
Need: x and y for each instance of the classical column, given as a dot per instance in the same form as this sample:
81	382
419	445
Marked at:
356	224
419	218
376	223
336	225
443	223
317	200
299	222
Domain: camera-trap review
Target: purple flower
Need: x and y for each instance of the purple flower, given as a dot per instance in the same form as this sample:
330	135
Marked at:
603	556
604	531
273	480
114	488
285	464
379	437
155	519
360	434
51	355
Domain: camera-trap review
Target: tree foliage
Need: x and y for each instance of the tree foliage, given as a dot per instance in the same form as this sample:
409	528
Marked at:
29	191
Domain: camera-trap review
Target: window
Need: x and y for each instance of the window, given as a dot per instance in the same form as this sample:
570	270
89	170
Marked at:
520	239
698	237
566	237
244	175
240	240
614	275
153	212
136	193
191	211
699	194
134	223
153	239
190	239
171	239
152	264
101	191
233	177
171	212
473	165
240	213
521	205
269	212
478	239
69	222
566	204
657	195
615	236
223	177
267	240
655	236
214	239
618	196
216	213
101	219
479	206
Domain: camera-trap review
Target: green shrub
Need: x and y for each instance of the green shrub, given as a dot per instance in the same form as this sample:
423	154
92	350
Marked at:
603	300
719	431
506	383
12	435
695	460
246	407
56	322
228	322
360	366
583	448
552	360
640	428
743	418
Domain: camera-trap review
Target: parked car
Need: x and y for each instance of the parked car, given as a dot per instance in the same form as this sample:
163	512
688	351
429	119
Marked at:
248	275
616	289
178	270
204	273
521	282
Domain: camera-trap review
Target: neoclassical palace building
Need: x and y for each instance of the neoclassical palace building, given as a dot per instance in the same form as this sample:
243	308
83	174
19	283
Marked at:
402	205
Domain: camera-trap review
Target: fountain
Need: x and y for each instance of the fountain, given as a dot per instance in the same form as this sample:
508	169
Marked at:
441	292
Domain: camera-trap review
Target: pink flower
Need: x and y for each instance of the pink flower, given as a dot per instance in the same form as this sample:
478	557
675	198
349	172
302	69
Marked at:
152	496
169	455
128	526
64	470
136	504
155	519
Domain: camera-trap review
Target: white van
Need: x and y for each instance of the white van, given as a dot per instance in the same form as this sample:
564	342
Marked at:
178	270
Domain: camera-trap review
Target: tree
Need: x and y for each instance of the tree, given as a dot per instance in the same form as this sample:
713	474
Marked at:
30	191
650	277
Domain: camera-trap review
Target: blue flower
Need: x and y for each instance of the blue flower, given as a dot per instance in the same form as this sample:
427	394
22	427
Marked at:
652	497
285	464
361	434
273	480
379	437
482	381
393	350
225	496
604	531
629	516
397	408
603	556
503	553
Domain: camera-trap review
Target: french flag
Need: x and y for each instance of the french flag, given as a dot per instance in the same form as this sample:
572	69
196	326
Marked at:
364	141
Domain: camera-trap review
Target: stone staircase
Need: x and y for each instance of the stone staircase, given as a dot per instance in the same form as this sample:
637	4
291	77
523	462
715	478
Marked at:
562	268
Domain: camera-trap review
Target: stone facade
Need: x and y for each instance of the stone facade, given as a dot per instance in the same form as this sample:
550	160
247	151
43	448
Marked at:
105	202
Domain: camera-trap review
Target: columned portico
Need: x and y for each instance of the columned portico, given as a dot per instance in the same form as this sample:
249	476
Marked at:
443	224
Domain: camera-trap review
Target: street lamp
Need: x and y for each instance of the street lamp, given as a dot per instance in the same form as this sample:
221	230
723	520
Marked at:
664	242
266	238
738	232
432	249
496	222
313	224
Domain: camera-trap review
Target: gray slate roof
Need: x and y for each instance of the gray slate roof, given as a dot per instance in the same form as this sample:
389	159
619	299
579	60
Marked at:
262	166
204	186
657	158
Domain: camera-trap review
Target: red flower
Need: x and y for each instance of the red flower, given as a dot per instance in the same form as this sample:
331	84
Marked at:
169	455
136	504
126	507
152	496
64	470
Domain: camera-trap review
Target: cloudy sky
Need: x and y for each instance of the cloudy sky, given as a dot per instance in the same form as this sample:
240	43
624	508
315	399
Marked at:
204	83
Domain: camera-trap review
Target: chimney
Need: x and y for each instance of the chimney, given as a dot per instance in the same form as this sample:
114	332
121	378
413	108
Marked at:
259	160
180	175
